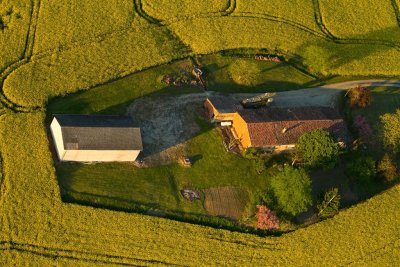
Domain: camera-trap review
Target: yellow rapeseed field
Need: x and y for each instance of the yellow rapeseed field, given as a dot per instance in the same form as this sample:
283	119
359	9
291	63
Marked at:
89	44
14	27
362	19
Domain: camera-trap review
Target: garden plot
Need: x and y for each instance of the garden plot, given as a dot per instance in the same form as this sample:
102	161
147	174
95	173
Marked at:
166	123
225	201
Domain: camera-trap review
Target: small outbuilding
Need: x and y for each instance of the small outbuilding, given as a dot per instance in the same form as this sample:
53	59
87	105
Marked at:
96	138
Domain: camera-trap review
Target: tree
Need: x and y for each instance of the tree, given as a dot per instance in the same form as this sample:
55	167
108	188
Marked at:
391	130
330	203
266	219
318	149
360	96
361	169
292	190
387	169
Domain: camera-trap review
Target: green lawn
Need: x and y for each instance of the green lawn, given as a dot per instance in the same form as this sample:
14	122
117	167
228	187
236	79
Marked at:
239	74
124	185
121	185
113	97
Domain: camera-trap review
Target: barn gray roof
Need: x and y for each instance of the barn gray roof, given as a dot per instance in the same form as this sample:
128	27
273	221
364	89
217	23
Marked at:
224	103
99	132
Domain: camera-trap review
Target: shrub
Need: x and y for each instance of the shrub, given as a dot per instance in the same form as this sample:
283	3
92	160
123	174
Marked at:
318	149
330	203
292	190
360	96
387	169
266	219
391	130
364	130
361	169
260	166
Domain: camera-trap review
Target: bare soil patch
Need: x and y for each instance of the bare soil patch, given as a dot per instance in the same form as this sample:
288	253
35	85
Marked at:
225	201
166	123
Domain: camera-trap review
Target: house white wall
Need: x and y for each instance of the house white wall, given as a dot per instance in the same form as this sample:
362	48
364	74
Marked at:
100	155
55	130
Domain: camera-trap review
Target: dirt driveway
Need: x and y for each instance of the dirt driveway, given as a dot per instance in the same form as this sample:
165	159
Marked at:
166	123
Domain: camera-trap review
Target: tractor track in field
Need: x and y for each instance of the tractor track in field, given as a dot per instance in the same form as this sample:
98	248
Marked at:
50	252
30	37
396	7
354	41
138	6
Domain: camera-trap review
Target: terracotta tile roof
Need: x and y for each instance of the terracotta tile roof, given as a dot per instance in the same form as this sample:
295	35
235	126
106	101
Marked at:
283	126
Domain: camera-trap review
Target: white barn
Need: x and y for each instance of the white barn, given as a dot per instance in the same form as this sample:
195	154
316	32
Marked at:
91	138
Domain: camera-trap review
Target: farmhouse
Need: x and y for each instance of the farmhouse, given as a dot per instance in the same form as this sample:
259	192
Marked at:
277	129
89	138
273	128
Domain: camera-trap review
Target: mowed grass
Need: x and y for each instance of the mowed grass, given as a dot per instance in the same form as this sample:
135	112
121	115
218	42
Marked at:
114	97
158	187
240	74
365	19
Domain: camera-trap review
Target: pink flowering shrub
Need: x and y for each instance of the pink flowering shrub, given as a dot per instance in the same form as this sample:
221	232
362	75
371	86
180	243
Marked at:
266	219
364	129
